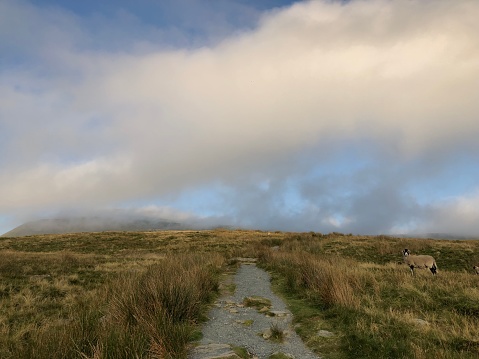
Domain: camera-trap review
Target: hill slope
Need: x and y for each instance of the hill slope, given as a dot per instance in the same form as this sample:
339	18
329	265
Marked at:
91	224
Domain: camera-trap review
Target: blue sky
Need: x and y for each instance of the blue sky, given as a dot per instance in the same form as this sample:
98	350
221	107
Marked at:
357	117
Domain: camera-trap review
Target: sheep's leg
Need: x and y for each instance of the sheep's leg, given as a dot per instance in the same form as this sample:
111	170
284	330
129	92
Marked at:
412	269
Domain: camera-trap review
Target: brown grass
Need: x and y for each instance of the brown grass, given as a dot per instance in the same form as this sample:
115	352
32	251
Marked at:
137	294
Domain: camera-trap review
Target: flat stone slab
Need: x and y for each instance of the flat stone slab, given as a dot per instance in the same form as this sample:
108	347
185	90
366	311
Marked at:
216	351
278	313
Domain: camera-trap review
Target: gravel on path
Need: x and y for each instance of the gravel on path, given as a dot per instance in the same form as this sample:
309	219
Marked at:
233	324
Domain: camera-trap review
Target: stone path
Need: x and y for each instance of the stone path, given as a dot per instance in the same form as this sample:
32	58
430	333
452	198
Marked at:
234	324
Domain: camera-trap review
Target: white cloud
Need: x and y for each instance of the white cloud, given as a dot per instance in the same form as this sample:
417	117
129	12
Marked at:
458	215
78	184
401	76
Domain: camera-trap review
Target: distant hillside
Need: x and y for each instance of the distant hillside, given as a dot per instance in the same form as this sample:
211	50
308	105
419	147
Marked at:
92	224
434	235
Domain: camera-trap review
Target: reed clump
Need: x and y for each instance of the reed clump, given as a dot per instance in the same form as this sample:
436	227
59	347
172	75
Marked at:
142	314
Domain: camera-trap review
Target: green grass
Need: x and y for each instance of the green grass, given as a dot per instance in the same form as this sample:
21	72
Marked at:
144	294
68	312
241	352
373	305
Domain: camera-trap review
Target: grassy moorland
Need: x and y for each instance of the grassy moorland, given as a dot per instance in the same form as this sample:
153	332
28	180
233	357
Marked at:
143	294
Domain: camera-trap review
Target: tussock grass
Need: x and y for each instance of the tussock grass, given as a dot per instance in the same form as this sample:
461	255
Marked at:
141	314
277	332
142	294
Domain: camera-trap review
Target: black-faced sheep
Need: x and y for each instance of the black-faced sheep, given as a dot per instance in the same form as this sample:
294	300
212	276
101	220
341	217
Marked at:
419	261
476	269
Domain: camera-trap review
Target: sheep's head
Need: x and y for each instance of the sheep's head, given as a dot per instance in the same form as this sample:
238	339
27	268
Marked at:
405	252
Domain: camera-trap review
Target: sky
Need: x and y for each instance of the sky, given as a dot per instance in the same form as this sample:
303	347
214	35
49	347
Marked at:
354	116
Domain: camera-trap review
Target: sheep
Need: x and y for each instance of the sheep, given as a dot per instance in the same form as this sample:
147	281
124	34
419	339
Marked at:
476	269
419	261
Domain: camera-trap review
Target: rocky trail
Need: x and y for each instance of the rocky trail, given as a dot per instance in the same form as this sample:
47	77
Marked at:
253	318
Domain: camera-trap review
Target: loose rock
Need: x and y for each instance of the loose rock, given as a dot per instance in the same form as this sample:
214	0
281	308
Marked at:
325	334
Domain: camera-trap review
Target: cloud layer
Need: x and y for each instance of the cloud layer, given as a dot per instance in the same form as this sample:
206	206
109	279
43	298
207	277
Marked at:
358	117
